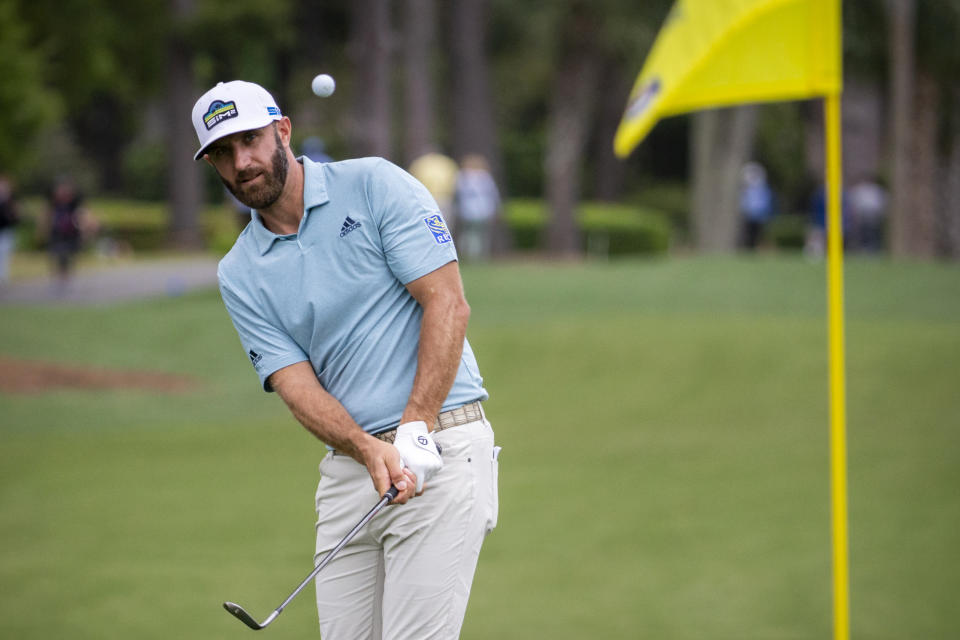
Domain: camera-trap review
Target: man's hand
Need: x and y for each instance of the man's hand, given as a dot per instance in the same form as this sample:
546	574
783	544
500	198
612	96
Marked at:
385	466
418	450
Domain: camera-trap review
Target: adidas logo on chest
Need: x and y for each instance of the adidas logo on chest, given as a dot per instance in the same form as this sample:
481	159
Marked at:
349	225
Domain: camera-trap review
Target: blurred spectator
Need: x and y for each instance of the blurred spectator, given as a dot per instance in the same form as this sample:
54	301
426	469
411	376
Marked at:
815	245
478	201
868	207
816	241
9	219
438	173
69	225
756	203
315	149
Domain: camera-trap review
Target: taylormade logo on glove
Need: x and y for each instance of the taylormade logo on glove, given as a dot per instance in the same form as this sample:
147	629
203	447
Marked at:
419	452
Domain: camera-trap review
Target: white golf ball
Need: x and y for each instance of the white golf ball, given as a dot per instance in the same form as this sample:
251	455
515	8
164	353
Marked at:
323	85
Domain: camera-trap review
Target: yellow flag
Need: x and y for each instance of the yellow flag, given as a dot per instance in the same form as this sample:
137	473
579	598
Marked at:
713	53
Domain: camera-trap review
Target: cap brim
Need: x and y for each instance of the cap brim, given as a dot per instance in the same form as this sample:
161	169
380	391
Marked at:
230	128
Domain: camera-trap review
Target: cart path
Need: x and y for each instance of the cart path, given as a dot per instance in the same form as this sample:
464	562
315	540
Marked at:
106	285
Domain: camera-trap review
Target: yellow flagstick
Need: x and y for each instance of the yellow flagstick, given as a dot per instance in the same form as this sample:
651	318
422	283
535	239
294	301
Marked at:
725	52
838	438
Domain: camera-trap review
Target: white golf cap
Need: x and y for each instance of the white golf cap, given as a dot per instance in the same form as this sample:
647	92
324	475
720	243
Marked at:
231	107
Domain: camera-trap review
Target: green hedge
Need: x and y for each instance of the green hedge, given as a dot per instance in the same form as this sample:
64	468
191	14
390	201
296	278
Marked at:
606	229
787	231
670	198
138	224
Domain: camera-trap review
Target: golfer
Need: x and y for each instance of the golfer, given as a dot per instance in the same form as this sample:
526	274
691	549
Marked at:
345	291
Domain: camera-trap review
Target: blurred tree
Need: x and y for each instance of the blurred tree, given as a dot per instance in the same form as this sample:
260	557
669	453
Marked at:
471	101
474	126
520	35
938	59
628	32
573	97
595	42
923	153
923	166
103	58
419	41
609	172
242	39
370	50
721	143
26	102
950	194
902	16
184	193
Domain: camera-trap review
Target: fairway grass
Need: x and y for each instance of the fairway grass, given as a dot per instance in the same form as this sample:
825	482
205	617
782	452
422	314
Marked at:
664	468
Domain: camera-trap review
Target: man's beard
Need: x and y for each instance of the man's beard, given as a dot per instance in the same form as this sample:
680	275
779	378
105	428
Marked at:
264	195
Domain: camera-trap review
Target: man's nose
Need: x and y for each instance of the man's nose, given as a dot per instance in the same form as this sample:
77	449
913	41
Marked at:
242	158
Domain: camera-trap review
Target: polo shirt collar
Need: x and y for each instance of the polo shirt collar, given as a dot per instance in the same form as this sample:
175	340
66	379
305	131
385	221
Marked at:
314	185
314	195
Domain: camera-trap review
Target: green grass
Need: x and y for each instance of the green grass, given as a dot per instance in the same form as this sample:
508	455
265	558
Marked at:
664	472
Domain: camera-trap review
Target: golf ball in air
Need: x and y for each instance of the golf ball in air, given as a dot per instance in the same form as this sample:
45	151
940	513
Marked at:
323	85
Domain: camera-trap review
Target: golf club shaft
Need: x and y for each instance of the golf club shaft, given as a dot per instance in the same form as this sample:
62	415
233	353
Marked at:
387	497
240	613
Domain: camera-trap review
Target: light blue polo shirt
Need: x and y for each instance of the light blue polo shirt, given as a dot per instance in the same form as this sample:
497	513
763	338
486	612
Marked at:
334	294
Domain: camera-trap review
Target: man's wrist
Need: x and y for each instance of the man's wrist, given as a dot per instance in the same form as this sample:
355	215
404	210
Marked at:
415	413
362	444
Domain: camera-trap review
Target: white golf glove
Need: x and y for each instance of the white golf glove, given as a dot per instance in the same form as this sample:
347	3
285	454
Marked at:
419	452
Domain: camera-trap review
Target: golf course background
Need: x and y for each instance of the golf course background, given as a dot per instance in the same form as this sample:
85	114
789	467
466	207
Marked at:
664	468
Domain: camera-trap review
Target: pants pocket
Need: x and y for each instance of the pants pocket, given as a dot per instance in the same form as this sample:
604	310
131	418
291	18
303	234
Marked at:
494	490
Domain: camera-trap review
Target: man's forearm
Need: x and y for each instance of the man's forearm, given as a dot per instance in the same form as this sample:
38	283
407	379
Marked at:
442	332
317	410
326	418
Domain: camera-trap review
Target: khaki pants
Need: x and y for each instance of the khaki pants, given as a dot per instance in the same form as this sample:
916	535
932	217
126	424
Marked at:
407	574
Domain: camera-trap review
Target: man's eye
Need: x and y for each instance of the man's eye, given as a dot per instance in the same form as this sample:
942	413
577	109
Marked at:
250	137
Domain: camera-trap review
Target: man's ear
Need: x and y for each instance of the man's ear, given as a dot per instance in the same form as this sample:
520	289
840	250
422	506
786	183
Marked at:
285	127
206	157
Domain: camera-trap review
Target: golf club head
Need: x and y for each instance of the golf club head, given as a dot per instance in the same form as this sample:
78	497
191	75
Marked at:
241	614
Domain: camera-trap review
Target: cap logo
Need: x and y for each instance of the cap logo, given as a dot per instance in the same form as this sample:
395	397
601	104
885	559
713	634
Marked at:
218	111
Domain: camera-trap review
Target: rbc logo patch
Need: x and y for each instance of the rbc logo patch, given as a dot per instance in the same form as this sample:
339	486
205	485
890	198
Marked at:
438	228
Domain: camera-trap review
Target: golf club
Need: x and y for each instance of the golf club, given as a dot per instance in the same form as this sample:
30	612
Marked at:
248	620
